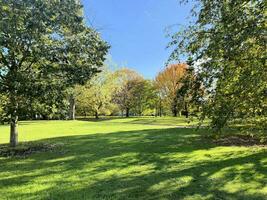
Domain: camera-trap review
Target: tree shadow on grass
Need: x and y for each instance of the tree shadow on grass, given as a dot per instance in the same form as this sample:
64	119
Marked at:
146	164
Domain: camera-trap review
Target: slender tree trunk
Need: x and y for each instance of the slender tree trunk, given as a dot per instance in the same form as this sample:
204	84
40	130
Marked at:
127	112
72	108
175	107
160	108
14	130
175	112
186	110
96	115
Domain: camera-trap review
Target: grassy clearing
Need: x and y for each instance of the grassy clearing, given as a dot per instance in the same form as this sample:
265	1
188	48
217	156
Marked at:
137	158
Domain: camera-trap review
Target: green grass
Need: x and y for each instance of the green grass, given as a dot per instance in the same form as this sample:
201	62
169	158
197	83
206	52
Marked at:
136	158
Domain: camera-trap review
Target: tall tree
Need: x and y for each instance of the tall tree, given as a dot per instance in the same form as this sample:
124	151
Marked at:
191	93
37	55
125	95
168	82
227	42
96	95
144	97
83	55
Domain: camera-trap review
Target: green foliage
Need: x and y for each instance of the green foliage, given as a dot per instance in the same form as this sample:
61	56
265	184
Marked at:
96	96
3	117
191	93
134	95
226	44
45	48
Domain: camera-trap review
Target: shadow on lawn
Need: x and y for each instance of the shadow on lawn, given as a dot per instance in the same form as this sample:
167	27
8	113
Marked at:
144	164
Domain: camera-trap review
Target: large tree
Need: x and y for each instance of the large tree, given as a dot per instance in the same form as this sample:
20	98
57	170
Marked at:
168	82
227	43
83	54
191	93
44	48
126	93
96	95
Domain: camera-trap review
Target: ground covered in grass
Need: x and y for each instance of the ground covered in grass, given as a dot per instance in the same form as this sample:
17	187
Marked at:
137	158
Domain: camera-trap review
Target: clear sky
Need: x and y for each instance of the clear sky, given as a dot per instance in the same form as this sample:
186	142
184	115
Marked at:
136	30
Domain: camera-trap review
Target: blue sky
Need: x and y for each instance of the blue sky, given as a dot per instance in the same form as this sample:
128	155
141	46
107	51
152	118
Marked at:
136	30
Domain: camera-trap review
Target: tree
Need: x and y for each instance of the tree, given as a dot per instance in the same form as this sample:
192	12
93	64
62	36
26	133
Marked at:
96	95
84	54
144	97
227	42
39	51
125	94
191	92
168	82
3	101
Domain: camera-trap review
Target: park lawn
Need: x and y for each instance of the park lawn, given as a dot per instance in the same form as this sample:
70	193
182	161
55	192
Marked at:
136	158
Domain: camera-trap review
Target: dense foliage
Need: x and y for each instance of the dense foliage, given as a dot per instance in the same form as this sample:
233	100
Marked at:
227	45
45	47
168	82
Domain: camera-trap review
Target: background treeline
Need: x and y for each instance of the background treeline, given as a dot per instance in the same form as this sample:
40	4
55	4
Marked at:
121	92
126	93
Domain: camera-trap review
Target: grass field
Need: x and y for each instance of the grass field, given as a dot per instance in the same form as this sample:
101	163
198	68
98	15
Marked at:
136	158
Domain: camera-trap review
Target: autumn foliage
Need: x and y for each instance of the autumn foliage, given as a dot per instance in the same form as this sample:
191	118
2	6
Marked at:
168	82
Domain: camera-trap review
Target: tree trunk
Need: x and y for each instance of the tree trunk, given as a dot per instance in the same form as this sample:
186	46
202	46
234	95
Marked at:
96	115
13	142
175	112
14	130
127	112
175	107
160	108
186	110
72	108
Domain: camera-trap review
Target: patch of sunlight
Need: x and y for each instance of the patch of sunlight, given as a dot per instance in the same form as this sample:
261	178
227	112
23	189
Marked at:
60	160
264	161
234	170
198	197
240	178
130	171
220	153
27	189
236	186
171	184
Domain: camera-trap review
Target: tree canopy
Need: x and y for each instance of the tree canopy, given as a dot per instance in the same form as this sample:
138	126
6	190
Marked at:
44	48
227	44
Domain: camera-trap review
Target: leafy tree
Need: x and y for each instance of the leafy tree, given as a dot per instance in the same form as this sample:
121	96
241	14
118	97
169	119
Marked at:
41	51
227	44
96	95
191	93
148	96
125	94
168	82
83	55
3	117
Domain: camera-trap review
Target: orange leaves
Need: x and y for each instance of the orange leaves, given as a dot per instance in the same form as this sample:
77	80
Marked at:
169	80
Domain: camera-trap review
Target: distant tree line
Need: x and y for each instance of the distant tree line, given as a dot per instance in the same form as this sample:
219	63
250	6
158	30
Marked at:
126	93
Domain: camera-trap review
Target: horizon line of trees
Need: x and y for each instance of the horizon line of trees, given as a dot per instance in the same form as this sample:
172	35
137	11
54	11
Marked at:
121	92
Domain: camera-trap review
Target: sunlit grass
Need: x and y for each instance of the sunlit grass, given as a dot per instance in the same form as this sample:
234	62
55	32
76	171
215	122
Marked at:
136	158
